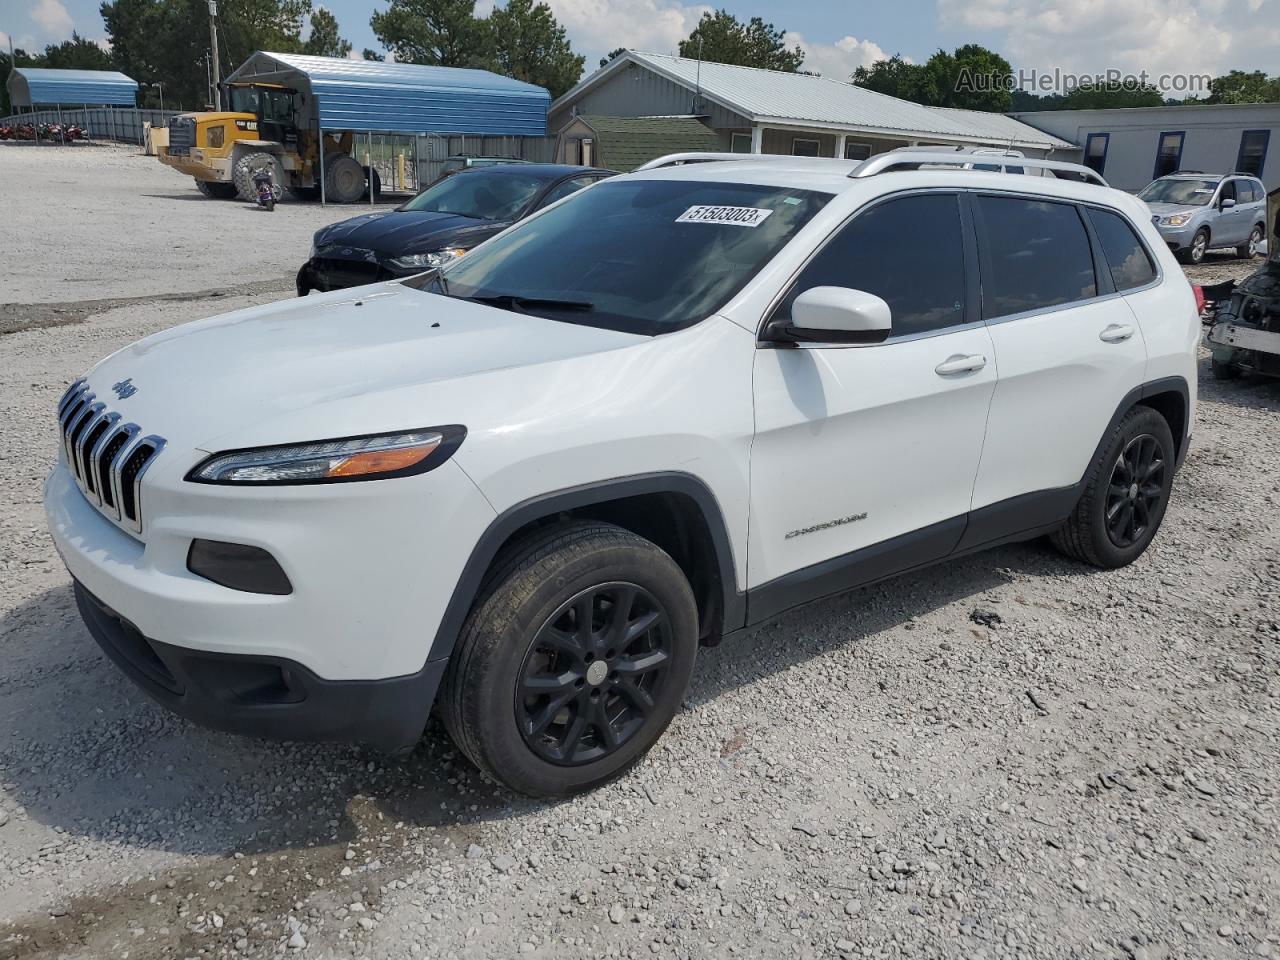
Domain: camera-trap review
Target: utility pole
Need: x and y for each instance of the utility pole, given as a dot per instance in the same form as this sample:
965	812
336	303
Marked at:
213	47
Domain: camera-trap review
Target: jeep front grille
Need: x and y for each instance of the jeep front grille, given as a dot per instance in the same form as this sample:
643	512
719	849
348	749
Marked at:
106	456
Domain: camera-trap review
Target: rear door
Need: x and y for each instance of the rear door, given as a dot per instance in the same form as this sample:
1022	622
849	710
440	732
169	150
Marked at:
1068	348
864	456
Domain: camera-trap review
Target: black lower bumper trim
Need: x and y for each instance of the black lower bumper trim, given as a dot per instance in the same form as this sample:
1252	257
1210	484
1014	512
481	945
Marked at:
266	696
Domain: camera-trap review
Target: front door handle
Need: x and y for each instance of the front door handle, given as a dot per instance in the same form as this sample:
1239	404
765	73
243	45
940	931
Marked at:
1116	333
960	363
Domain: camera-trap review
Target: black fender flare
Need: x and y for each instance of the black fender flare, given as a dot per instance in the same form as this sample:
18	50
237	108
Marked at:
573	498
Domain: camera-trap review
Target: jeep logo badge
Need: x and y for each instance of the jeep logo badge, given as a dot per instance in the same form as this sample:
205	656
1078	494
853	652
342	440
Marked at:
125	388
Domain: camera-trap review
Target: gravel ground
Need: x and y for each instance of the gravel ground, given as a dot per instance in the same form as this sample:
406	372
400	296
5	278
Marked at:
1005	756
94	222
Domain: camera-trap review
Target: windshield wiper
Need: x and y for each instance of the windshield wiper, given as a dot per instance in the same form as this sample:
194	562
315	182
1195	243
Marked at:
512	301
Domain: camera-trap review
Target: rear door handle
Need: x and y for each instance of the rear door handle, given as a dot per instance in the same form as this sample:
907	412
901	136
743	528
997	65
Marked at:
960	363
1116	333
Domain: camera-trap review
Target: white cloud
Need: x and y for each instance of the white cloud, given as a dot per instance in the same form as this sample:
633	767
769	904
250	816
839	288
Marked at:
1152	36
836	60
597	26
52	16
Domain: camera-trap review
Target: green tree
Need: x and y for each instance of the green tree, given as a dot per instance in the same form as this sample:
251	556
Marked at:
324	39
971	77
612	55
894	77
720	37
527	43
1240	87
372	55
1109	95
168	40
75	54
443	33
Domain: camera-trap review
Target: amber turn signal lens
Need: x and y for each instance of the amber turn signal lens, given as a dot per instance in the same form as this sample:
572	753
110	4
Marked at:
382	461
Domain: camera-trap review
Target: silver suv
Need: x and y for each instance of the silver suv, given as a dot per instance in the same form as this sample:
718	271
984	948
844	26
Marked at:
1196	212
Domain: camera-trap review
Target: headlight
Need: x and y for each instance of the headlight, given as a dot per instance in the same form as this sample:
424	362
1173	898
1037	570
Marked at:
428	261
1177	220
377	457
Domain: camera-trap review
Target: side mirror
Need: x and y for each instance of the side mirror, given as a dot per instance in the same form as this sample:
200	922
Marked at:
1226	203
835	315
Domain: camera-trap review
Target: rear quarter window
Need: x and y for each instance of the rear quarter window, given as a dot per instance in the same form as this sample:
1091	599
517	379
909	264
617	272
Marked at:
1127	258
1036	255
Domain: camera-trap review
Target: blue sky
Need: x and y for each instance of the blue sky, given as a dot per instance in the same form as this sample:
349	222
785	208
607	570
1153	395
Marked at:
1077	36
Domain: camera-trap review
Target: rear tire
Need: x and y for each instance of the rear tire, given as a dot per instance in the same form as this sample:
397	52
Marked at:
573	660
343	179
1126	494
1249	249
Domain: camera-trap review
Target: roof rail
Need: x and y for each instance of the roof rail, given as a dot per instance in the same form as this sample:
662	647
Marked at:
913	159
675	159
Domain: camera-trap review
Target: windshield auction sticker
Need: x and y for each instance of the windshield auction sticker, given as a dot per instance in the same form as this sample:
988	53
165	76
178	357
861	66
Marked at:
736	216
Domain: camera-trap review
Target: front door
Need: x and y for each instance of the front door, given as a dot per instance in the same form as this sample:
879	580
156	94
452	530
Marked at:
864	457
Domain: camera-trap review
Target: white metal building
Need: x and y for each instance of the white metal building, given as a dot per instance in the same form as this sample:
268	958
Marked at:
1134	145
770	111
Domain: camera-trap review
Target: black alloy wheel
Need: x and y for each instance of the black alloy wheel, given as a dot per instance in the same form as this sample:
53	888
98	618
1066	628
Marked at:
1135	490
593	673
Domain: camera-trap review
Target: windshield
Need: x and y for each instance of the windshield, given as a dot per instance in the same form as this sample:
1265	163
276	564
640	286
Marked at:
1195	193
482	194
642	256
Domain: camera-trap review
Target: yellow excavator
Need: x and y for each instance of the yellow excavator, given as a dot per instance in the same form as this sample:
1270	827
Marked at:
265	129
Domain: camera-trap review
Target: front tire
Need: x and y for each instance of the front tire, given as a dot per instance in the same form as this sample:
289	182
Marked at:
573	661
1249	249
1126	494
249	164
216	190
1199	246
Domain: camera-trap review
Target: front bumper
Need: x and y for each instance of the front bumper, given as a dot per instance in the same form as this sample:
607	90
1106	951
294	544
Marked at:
1178	238
323	274
265	696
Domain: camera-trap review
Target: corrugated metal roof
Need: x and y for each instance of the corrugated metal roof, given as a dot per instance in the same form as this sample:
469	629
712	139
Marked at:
365	95
626	142
32	86
999	126
800	99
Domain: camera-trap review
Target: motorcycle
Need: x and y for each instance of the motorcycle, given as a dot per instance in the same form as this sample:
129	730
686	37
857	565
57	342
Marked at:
267	193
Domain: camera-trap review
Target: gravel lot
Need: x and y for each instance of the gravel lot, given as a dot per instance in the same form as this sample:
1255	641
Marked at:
1006	756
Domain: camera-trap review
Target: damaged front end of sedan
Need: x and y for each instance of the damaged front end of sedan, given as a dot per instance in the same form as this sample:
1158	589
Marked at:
1244	327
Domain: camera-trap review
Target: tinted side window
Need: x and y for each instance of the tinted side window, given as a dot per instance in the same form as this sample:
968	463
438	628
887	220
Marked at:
1228	191
908	251
1247	191
1037	255
1127	258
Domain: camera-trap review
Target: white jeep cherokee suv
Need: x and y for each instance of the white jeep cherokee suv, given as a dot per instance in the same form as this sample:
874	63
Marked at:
526	487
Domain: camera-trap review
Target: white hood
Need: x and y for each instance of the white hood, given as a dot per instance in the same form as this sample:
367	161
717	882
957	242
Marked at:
357	355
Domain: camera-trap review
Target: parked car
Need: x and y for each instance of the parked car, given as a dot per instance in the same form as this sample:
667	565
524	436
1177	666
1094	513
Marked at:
1197	212
441	223
1244	319
529	484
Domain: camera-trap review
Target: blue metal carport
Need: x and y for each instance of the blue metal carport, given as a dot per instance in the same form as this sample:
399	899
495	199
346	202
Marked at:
31	87
370	97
